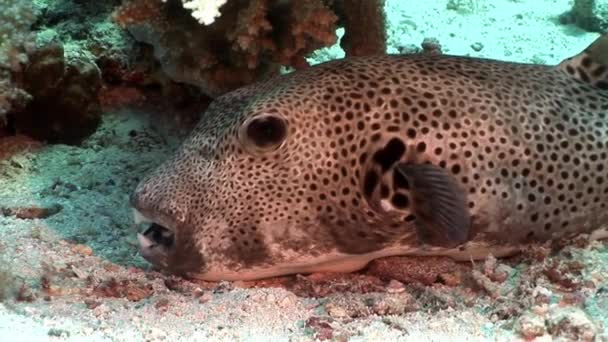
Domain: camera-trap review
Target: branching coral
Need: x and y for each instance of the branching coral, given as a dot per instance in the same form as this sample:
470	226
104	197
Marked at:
250	40
365	27
205	11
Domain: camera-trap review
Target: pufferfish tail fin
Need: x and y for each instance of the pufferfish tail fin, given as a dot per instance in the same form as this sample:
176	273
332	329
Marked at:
591	65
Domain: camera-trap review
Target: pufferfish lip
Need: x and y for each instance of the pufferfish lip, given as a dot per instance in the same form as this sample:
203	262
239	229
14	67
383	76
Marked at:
155	241
140	218
156	234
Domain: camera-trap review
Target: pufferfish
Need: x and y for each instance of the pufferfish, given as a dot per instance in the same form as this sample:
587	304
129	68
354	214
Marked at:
327	168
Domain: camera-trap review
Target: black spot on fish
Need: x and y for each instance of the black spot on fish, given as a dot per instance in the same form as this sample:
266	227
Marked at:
370	182
390	154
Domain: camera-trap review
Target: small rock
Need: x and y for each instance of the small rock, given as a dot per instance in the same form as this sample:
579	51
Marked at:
570	323
540	310
65	107
91	304
205	297
83	250
394	304
136	293
477	46
531	325
321	327
336	310
287	301
486	283
55	332
162	304
502	273
357	305
425	270
395	286
431	46
33	212
409	49
271	298
113	268
451	279
156	334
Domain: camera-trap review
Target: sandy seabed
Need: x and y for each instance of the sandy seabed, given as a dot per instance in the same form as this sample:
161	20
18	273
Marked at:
69	268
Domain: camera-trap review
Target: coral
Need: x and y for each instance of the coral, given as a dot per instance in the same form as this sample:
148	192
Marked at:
587	14
85	30
205	11
365	27
31	99
16	18
250	40
12	99
557	322
463	6
65	107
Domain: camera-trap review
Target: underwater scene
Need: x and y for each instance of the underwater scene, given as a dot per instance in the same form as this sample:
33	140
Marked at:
304	170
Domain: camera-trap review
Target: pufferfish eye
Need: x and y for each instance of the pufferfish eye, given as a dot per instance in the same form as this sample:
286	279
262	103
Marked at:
264	132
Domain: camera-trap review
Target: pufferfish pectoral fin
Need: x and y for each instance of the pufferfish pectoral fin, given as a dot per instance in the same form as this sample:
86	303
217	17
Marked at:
440	206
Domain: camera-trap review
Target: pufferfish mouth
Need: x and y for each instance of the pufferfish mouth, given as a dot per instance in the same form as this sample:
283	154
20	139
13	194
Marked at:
155	241
156	235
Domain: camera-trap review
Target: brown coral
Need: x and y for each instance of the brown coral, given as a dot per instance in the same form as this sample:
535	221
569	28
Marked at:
65	107
12	99
249	41
364	27
302	27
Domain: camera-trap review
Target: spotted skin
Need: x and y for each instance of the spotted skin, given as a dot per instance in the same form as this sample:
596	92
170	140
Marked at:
525	144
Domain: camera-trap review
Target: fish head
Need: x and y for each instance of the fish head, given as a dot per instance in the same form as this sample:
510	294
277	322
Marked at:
266	163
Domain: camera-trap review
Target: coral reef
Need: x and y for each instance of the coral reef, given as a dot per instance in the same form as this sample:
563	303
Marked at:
205	11
249	41
65	107
84	28
16	18
12	99
189	47
589	15
50	65
49	80
365	26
